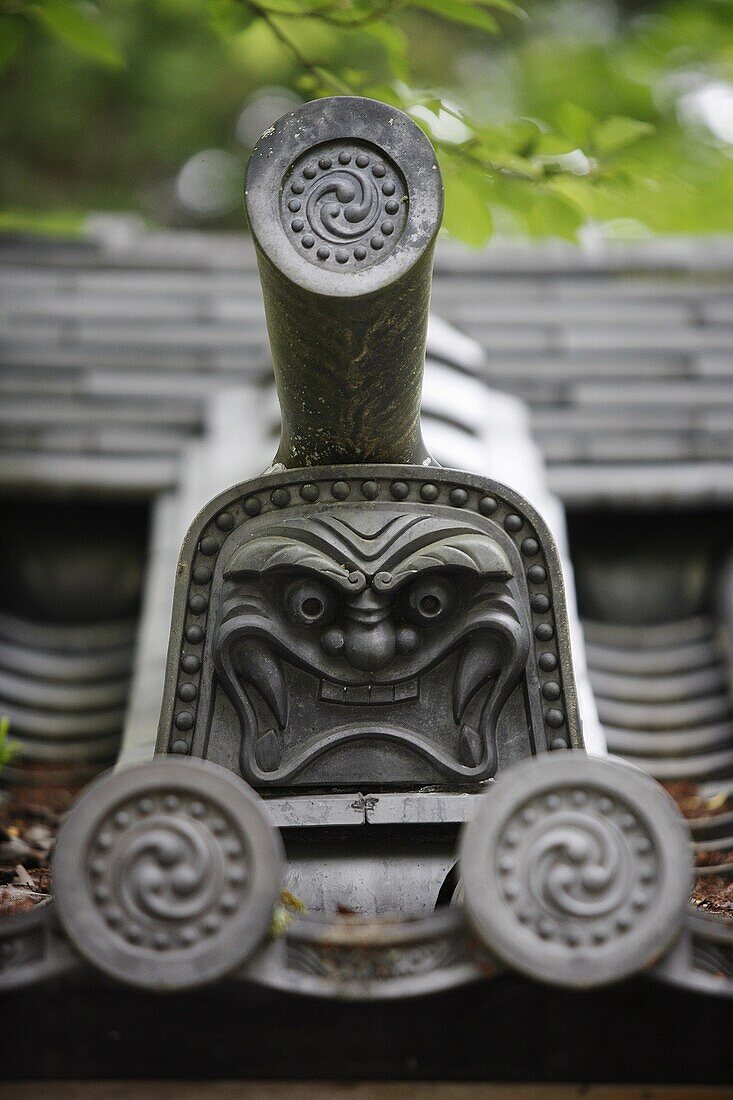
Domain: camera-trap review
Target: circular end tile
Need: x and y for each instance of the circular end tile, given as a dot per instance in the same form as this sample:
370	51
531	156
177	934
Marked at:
576	870
166	873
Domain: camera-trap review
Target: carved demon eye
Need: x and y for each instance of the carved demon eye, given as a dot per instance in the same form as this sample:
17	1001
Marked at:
310	603
429	600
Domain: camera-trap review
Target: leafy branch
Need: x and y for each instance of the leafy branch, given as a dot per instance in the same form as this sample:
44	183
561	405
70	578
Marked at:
76	25
480	158
547	174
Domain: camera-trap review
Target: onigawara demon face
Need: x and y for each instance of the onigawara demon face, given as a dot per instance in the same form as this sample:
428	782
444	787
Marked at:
368	643
374	633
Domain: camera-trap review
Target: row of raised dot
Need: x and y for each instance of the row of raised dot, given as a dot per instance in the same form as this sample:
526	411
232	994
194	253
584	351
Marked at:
198	605
487	505
341	255
344	157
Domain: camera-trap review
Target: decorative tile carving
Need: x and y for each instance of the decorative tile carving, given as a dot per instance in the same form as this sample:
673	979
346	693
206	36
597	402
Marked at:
577	870
382	623
166	873
344	203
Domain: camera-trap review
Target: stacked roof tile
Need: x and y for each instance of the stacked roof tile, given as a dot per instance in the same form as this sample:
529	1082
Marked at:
110	346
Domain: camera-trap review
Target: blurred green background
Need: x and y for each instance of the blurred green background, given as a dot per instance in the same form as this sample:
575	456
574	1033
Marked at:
558	118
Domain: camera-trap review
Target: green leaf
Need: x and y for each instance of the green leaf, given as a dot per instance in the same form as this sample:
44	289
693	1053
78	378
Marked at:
8	748
12	33
496	149
553	145
228	17
291	7
459	11
618	132
552	215
467	214
522	136
576	123
387	94
307	84
68	22
331	82
394	43
507	6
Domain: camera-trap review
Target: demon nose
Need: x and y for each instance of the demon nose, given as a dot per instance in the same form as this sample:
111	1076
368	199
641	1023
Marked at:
369	642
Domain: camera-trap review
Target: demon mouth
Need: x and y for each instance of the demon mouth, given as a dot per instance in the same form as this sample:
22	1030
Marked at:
368	694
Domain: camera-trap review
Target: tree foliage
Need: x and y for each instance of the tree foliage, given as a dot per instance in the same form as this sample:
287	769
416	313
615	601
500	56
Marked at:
546	118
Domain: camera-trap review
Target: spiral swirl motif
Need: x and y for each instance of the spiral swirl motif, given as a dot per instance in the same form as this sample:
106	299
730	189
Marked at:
344	204
166	873
578	868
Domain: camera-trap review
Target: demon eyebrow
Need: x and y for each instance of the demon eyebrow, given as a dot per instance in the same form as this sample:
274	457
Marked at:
474	553
268	553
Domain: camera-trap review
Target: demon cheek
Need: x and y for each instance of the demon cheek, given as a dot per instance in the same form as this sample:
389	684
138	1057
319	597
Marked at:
407	640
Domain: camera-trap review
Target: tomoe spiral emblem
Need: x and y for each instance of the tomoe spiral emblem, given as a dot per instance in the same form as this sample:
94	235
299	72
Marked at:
166	873
344	203
170	871
578	867
576	870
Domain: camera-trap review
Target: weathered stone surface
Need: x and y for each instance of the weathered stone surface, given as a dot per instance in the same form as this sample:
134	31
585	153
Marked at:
344	201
